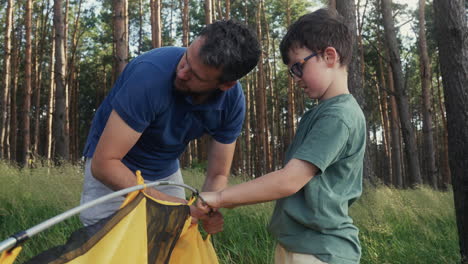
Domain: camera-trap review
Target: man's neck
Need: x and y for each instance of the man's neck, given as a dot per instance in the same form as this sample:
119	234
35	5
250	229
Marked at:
200	99
204	98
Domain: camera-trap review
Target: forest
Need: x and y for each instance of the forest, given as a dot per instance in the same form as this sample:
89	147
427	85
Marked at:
59	59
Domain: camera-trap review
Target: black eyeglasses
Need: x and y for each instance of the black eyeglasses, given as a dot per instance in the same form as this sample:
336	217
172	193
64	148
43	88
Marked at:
296	68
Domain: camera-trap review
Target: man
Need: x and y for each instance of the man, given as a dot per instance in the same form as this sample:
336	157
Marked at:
162	100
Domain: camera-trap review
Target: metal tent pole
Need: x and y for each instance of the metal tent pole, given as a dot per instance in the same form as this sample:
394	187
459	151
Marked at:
23	235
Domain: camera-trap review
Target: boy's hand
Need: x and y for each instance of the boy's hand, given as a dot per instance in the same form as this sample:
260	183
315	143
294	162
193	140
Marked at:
210	200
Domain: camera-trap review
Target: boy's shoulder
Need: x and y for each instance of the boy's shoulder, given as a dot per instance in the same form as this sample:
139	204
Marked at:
344	107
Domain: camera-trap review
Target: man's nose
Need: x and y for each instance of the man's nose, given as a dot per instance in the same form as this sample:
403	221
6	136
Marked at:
184	73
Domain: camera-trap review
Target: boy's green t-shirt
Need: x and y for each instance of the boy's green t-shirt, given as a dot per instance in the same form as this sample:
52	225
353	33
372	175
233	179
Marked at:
315	220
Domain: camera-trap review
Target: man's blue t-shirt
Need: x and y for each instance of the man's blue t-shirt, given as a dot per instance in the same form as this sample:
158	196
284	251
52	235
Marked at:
145	98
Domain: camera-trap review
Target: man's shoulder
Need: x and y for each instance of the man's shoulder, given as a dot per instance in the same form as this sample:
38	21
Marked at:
168	51
234	96
163	58
236	90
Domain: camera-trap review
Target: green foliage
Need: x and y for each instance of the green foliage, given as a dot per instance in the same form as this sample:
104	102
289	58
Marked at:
407	226
396	226
28	197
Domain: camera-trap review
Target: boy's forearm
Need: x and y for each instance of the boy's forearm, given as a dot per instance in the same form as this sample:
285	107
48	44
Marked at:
272	186
266	188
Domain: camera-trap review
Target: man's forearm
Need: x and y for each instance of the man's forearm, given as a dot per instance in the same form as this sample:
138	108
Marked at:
115	175
215	183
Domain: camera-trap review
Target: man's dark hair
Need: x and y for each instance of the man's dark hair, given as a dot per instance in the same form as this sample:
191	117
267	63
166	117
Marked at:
232	46
317	31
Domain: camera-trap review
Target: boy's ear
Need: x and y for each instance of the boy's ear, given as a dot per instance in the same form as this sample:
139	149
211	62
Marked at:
227	85
331	56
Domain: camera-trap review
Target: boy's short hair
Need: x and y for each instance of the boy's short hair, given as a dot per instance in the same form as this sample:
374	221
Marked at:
317	31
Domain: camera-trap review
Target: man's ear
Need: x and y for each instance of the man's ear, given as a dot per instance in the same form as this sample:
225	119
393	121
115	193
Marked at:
227	85
331	56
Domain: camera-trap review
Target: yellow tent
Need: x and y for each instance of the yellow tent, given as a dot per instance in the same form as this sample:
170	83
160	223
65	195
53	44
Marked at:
144	230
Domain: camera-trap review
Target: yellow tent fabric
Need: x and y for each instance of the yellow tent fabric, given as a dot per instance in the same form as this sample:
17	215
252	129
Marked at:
191	246
144	230
8	257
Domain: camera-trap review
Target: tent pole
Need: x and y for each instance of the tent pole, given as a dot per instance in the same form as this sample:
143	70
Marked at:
22	236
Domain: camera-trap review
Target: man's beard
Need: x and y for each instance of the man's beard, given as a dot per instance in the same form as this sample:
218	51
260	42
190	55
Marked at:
180	87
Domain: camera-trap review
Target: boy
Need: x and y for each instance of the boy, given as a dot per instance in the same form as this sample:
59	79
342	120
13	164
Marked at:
323	172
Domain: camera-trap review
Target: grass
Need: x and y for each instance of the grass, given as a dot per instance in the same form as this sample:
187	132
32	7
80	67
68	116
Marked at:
396	226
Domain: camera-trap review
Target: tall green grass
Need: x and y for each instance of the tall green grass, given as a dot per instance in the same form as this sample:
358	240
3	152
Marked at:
407	226
396	226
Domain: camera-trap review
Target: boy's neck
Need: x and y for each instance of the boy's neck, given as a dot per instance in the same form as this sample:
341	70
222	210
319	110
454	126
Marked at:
339	85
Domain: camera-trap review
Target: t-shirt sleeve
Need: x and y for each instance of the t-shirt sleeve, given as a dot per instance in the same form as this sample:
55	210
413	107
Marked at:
232	125
325	142
141	96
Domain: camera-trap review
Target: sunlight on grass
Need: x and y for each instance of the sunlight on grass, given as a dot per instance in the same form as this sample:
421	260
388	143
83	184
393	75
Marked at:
396	226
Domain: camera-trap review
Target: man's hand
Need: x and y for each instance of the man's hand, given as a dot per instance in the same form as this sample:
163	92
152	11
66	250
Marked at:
213	223
197	214
213	220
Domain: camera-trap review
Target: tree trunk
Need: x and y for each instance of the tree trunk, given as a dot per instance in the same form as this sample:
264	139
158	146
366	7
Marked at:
74	41
61	133
120	37
273	139
126	28
34	90
65	32
355	83
227	15
185	24
452	41
291	115
72	85
50	102
140	26
383	105
208	12
248	150
427	98
6	77
14	88
40	46
262	130
156	23
219	12
445	156
254	123
401	96
395	128
279	157
360	22
332	4
26	149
